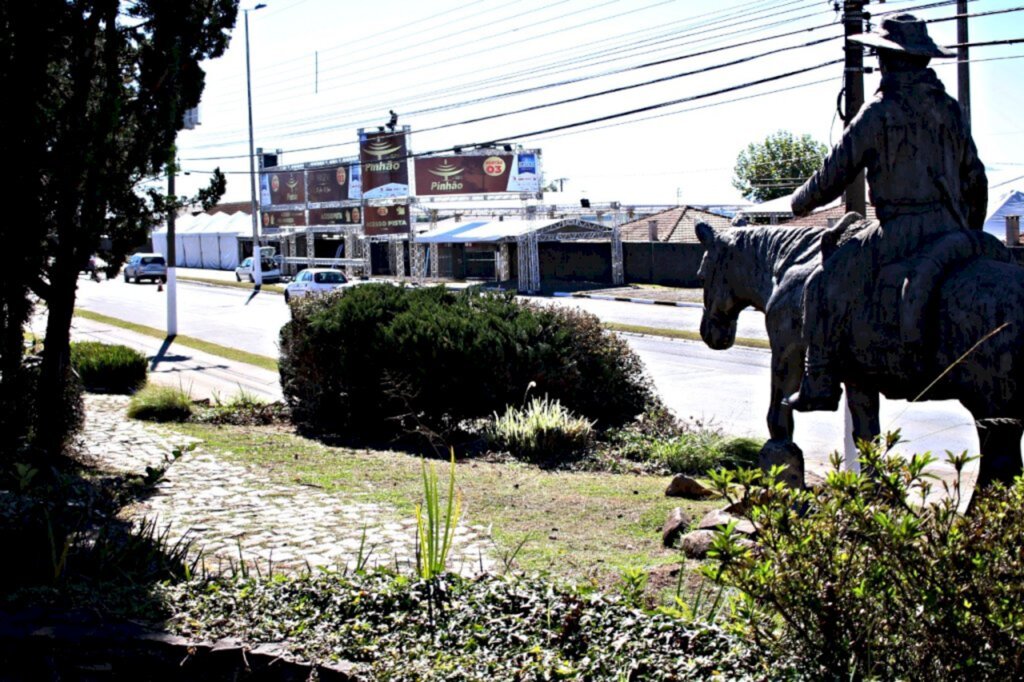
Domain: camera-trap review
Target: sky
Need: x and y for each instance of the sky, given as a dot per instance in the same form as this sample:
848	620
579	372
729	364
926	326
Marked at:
321	69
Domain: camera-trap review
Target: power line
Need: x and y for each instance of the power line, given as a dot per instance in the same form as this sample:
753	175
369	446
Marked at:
536	88
568	126
351	83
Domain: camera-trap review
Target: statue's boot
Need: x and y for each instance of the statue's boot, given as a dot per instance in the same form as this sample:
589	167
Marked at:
819	391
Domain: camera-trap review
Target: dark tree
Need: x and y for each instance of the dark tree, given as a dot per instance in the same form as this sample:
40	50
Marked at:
776	167
96	91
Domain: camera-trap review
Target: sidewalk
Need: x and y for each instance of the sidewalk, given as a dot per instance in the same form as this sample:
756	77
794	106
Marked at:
201	374
671	296
230	510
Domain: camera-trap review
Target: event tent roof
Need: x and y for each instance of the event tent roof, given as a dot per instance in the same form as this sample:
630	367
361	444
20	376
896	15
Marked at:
485	230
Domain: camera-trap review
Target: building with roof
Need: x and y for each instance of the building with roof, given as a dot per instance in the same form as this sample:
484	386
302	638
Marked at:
663	248
530	252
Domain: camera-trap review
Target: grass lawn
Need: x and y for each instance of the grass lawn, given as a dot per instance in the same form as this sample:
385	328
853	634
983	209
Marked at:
577	525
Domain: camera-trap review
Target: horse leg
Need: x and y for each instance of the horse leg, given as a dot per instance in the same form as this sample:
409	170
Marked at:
1000	451
787	368
863	405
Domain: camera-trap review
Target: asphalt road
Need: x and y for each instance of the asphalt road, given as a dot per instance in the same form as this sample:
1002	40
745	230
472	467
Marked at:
728	389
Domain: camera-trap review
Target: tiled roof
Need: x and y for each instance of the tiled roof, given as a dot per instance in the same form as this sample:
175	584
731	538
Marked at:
826	217
676	225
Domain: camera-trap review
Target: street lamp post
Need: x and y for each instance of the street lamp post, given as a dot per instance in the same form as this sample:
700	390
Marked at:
257	270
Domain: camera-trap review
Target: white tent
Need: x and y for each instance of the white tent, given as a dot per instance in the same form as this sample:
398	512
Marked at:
204	240
1008	203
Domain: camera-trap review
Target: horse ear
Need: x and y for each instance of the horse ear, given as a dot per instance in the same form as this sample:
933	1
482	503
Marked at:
705	233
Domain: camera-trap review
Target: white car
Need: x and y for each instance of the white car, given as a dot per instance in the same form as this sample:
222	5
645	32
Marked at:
314	281
270	269
140	266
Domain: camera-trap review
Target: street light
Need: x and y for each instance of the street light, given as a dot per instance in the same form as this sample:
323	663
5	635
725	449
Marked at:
257	270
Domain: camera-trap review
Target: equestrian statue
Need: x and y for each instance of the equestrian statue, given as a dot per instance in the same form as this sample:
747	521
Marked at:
920	304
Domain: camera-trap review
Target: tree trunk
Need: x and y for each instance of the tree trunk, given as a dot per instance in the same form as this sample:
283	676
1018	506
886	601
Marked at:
15	309
58	412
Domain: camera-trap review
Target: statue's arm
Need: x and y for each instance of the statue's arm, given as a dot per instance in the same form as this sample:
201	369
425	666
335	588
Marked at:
841	166
974	186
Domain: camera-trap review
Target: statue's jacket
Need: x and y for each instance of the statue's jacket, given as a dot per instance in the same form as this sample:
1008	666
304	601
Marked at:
923	171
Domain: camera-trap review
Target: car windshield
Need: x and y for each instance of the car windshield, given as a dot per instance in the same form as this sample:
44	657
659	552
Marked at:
153	260
329	278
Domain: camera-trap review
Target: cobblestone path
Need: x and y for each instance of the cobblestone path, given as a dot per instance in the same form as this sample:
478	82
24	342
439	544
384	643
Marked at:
228	509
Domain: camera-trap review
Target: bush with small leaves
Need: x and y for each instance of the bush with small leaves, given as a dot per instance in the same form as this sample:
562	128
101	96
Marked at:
376	360
867	577
109	368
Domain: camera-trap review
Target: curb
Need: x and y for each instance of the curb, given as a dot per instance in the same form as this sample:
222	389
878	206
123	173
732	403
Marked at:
627	299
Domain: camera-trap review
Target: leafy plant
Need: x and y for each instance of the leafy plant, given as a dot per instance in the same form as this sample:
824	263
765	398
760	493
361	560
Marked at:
661	444
495	628
868	578
160	404
632	585
436	522
543	429
107	367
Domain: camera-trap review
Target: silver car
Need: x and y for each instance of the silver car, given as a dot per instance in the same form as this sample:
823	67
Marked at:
140	266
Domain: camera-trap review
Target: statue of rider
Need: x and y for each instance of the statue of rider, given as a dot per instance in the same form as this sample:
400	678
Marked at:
924	179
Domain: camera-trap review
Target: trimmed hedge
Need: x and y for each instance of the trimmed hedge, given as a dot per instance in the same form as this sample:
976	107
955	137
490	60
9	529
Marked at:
109	368
377	359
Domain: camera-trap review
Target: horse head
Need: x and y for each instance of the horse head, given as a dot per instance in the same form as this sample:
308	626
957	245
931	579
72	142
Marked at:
721	305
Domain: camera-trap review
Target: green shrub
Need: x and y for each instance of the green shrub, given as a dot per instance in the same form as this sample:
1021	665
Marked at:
379	359
865	578
158	403
109	368
660	444
486	629
543	430
241	409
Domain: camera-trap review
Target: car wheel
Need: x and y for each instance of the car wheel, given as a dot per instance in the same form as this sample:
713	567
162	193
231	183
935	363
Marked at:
163	279
126	280
238	278
252	279
287	297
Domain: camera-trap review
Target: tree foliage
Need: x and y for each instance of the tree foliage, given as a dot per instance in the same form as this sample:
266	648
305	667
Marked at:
102	87
774	168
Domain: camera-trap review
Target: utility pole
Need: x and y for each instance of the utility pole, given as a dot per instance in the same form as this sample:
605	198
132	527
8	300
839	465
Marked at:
172	277
257	272
853	21
963	67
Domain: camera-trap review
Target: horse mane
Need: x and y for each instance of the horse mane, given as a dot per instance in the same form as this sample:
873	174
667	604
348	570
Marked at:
780	247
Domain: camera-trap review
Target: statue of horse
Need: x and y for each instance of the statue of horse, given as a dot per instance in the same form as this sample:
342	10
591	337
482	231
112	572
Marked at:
973	349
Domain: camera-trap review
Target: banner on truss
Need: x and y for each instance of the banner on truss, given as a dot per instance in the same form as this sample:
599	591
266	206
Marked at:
478	172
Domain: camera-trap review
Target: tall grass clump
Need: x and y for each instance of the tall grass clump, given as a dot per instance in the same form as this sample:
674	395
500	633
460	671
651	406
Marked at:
158	403
867	577
107	367
541	430
436	522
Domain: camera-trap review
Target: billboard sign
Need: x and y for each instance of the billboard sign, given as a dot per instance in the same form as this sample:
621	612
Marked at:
380	220
344	215
284	218
329	184
385	168
478	172
282	188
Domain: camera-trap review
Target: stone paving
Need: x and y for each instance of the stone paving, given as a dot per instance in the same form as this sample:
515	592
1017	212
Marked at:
231	510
